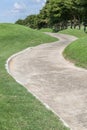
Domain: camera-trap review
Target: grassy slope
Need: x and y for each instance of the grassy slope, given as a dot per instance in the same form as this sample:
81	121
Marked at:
46	30
74	32
19	110
77	51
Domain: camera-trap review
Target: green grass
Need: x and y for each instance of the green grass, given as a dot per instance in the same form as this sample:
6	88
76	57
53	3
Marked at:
19	110
46	30
75	32
76	52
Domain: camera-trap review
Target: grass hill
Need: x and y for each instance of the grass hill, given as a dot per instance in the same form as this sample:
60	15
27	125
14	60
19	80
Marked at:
76	52
19	110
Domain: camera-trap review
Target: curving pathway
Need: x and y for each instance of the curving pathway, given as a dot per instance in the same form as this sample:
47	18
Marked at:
55	81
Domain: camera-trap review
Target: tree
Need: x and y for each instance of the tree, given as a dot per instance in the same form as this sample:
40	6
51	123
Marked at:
20	21
58	14
83	5
31	21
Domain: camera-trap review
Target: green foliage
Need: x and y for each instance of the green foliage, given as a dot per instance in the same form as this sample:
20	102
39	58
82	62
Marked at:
20	21
19	110
31	21
57	13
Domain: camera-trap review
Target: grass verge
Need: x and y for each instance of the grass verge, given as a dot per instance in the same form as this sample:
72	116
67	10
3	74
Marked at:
75	32
19	110
46	30
76	52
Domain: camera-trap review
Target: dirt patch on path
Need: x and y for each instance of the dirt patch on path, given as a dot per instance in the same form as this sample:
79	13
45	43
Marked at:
55	81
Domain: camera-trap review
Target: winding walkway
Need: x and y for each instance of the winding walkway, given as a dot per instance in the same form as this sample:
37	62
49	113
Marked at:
55	81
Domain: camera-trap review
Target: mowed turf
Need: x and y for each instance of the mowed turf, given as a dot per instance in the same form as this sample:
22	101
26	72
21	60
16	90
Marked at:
19	110
76	52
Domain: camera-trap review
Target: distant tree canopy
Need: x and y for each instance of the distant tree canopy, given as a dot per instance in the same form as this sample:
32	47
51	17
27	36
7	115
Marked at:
58	14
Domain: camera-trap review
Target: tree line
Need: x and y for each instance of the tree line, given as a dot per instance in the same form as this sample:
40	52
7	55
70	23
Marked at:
58	15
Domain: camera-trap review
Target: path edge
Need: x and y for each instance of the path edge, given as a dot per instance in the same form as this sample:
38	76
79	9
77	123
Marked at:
7	67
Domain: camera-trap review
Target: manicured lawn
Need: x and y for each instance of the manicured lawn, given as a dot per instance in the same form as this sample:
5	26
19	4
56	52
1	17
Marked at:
19	110
76	52
75	32
46	30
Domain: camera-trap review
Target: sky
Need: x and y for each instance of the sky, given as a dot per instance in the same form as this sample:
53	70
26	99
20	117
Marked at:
12	10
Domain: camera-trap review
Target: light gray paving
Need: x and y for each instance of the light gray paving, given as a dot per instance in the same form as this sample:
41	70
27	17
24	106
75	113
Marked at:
55	81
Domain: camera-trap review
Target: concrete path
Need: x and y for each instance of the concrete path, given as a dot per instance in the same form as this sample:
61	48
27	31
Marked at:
55	81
